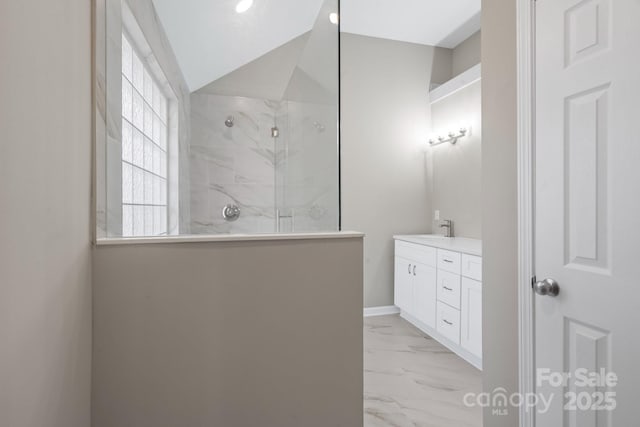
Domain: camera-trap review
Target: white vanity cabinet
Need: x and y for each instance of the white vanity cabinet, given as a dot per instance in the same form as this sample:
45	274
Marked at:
403	284
438	288
471	316
415	282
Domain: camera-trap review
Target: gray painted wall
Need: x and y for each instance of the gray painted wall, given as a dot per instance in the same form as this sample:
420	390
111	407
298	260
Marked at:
228	334
45	252
499	195
456	170
385	126
266	77
466	54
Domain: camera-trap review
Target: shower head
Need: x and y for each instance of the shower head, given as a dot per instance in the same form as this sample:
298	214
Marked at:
229	122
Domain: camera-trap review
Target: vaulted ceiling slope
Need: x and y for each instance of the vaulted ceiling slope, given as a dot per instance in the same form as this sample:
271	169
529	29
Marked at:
444	23
266	77
210	39
304	69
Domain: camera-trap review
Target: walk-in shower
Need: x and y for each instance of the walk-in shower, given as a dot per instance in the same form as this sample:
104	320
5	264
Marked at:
211	137
272	165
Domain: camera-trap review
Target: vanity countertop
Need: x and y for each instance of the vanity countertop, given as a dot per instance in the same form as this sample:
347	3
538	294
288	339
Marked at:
457	244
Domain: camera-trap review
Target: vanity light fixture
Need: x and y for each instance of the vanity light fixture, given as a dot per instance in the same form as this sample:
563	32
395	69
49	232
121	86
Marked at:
333	18
244	5
452	137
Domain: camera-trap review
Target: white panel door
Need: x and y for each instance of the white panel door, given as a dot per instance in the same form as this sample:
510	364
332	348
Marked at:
424	294
402	286
588	207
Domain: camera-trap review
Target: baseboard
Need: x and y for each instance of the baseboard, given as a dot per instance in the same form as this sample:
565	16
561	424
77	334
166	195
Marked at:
384	310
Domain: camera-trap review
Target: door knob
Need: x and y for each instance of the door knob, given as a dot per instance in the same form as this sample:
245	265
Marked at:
547	287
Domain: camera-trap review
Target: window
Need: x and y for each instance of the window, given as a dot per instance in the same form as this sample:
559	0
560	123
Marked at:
144	148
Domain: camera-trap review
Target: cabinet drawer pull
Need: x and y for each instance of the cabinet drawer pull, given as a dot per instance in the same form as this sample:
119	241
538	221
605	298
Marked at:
414	270
447	322
409	269
447	260
448	289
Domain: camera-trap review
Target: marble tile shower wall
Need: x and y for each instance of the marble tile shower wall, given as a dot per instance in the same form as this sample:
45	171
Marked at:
232	164
244	165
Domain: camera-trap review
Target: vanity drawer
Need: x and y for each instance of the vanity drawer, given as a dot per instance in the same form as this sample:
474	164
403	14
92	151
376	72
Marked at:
472	267
449	288
412	251
449	322
449	261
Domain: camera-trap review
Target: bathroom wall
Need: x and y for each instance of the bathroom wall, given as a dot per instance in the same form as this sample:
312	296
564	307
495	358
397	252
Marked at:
499	196
45	243
229	334
385	126
456	170
266	77
466	54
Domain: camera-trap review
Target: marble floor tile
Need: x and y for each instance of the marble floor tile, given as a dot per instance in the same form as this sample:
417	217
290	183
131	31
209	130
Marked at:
412	380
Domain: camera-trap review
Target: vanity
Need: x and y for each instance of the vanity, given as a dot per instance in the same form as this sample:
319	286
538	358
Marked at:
438	289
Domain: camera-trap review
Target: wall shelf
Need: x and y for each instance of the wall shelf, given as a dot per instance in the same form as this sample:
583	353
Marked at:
457	83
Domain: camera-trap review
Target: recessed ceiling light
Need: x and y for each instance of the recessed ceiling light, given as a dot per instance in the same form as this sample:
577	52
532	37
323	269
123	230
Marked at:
244	5
333	17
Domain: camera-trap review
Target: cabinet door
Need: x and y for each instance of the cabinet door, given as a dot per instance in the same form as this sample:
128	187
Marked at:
403	284
471	313
424	294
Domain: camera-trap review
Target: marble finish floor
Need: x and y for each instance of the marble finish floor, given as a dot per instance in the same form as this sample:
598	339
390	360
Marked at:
412	380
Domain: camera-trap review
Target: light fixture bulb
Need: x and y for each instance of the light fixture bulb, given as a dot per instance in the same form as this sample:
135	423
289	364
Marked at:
333	17
244	5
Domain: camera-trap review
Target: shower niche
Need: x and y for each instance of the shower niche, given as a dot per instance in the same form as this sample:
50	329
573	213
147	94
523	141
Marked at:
218	125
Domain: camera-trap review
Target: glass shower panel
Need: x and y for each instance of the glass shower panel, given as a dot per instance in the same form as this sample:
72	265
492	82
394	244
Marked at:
309	174
213	137
284	220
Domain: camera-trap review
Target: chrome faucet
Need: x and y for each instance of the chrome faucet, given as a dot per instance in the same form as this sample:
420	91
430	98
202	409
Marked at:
448	225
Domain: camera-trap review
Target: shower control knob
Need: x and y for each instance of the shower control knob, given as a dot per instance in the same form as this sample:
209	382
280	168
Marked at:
230	212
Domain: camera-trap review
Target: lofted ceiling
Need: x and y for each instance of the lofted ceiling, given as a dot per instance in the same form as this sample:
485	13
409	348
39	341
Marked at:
443	23
210	39
302	69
